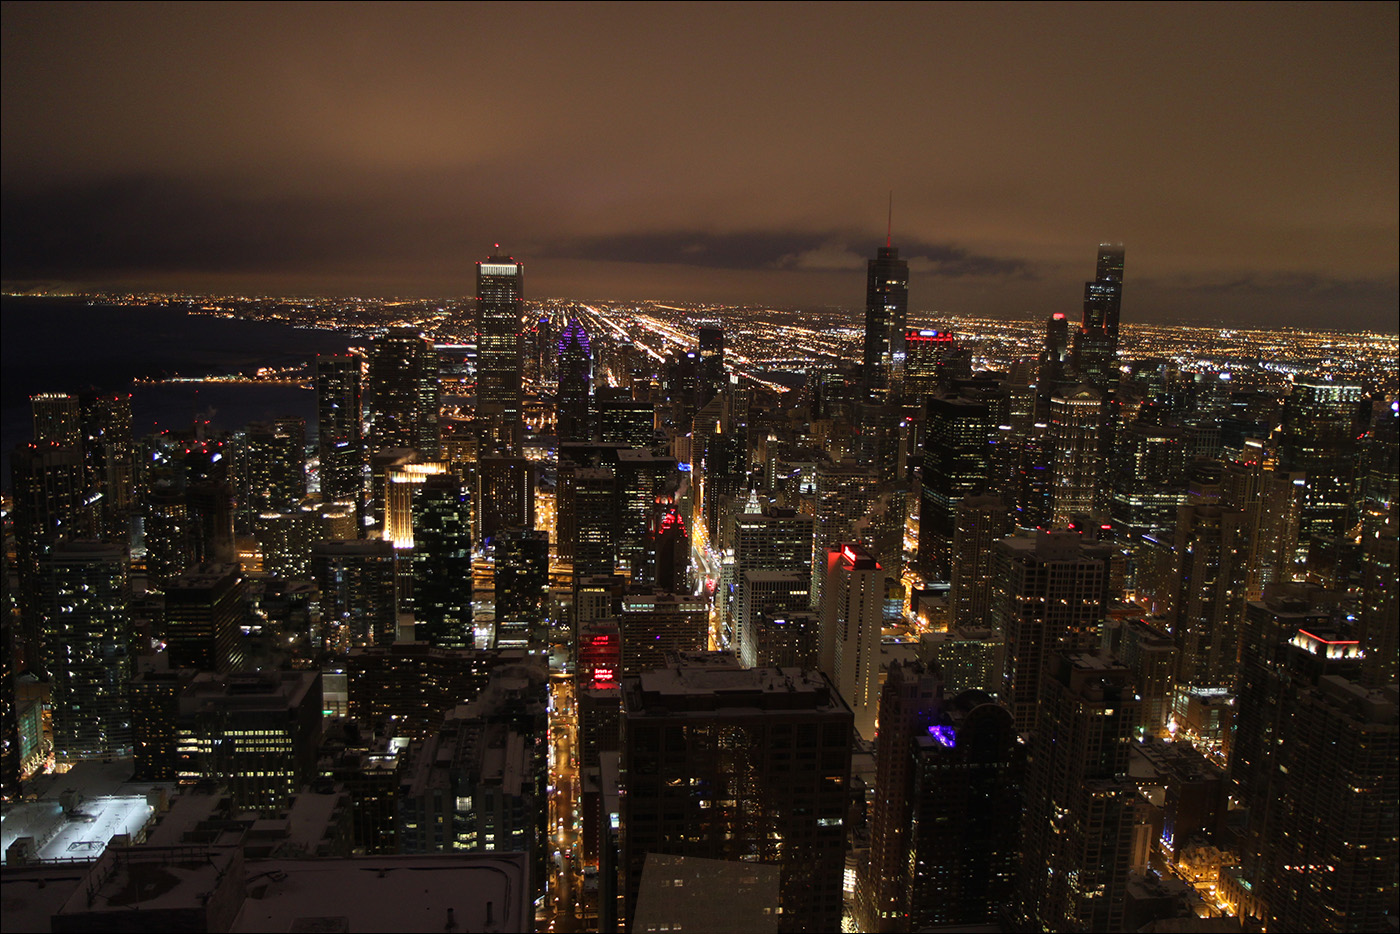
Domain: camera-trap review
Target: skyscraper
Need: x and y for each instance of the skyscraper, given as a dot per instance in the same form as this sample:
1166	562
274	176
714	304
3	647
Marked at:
500	289
956	464
1078	430
886	312
1096	341
204	608
711	376
852	612
572	416
339	437
403	389
442	563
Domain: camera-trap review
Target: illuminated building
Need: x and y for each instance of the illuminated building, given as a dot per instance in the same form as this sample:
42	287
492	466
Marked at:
964	829
770	540
968	658
1211	550
1379	626
1051	595
286	539
852	612
669	552
886	313
911	700
442	563
655	622
56	419
204	610
85	619
595	521
956	450
572	417
646	483
154	695
500	289
1150	654
1080	810
711	375
402	485
730	764
274	465
1096	341
521	559
403	392
979	522
339	430
1078	426
408	687
1054	355
505	495
774	606
927	355
359	602
623	419
111	461
1321	424
598	679
258	734
844	494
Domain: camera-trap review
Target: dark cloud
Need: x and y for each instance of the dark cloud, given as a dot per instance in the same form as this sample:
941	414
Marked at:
721	151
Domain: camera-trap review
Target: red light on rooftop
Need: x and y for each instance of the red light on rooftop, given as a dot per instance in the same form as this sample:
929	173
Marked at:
1329	641
1059	316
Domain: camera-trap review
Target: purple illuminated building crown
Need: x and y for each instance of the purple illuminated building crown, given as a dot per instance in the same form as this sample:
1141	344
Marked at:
573	333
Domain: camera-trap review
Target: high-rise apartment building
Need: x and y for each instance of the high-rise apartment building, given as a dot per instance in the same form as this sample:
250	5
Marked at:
1051	595
1212	548
844	494
978	524
274	465
403	390
500	289
1319	438
1080	811
1077	434
84	613
769	540
505	495
339	429
741	765
956	464
359	596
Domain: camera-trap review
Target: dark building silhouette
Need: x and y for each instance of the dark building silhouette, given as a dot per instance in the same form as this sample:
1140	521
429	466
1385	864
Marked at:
403	391
339	430
886	312
573	419
204	610
442	563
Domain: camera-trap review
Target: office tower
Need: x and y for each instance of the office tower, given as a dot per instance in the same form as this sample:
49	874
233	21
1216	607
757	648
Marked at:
381	463
844	493
1079	815
654	623
84	598
166	534
257	734
595	521
204	613
407	687
927	362
1096	341
623	419
1148	479
505	495
956	448
339	430
979	522
402	484
1378	628
771	540
442	563
669	550
359	604
500	289
1035	487
886	312
572	417
1051	595
1211	551
1077	434
852	612
969	658
111	461
521	558
1054	356
646	483
1319	438
274	458
154	697
711	376
965	823
749	765
403	392
775	629
911	701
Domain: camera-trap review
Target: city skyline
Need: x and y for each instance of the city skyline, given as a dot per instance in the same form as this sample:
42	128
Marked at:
652	154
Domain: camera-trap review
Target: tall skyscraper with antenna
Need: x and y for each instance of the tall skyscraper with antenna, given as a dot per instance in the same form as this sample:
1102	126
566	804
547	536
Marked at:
500	289
886	312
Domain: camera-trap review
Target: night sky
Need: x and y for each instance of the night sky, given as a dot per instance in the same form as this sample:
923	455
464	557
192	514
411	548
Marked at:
1246	155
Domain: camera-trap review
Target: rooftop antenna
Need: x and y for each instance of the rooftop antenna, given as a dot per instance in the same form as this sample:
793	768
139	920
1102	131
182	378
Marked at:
889	226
